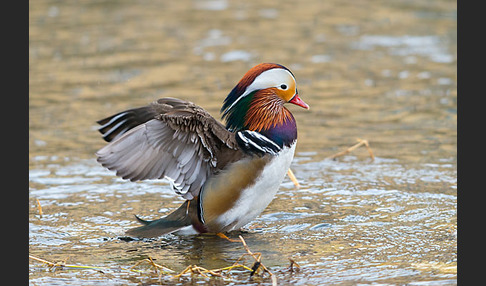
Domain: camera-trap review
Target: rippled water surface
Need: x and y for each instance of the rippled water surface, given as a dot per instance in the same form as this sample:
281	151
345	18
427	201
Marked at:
384	71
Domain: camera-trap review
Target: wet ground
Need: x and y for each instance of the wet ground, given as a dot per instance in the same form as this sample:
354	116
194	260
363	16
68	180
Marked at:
384	71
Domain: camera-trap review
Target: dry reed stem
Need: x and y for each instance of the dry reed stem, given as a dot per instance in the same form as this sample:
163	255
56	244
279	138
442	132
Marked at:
292	264
153	264
39	207
258	261
50	264
192	269
360	143
62	264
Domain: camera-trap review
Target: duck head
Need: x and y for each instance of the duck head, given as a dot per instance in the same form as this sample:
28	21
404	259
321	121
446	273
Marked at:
257	102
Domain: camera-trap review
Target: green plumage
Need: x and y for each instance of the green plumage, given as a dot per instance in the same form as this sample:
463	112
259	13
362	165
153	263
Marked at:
235	116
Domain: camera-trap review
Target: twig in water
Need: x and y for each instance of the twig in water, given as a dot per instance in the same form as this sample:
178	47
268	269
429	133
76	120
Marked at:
258	261
62	264
156	266
39	207
192	269
361	142
292	264
50	264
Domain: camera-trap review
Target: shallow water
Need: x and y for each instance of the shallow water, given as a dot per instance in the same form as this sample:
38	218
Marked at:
378	70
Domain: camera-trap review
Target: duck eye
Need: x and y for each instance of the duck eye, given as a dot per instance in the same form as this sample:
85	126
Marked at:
283	86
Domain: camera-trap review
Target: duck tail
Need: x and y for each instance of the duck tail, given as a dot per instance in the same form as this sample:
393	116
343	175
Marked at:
169	224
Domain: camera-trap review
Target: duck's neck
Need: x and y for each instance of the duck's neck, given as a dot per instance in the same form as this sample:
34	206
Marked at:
263	112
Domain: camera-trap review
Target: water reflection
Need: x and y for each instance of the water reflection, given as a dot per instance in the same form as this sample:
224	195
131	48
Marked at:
346	229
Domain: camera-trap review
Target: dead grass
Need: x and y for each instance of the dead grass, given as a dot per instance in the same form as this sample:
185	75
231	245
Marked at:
254	267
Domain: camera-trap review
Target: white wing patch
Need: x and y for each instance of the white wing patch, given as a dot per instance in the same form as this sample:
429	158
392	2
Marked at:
255	142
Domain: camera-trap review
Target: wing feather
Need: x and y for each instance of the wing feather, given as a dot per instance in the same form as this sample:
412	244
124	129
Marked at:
170	138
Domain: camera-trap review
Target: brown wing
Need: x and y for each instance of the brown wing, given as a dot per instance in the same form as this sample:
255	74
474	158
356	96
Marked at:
114	126
170	138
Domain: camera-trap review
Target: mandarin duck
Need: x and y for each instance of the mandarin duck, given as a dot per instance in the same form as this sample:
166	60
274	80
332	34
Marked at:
227	174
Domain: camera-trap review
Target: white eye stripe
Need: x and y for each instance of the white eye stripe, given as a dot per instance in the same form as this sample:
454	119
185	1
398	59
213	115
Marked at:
268	78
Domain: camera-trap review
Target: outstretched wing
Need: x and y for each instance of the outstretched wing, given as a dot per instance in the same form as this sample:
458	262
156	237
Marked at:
169	138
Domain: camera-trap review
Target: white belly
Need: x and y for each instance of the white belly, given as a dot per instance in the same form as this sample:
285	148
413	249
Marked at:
258	196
